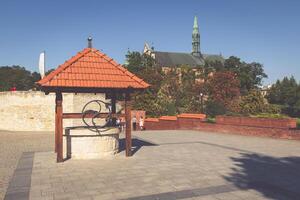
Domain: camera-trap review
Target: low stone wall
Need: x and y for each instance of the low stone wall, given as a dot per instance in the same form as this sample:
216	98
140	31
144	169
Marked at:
152	124
182	121
34	111
283	129
250	130
189	121
257	122
168	122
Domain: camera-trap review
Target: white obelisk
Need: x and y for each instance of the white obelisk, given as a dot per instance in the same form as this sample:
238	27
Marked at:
42	64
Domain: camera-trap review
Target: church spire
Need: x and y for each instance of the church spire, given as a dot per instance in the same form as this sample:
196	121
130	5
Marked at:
196	38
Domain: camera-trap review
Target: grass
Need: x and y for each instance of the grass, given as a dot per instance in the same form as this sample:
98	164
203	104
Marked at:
210	120
268	115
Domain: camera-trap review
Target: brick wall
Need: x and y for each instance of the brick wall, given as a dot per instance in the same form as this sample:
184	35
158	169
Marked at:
224	124
257	122
190	121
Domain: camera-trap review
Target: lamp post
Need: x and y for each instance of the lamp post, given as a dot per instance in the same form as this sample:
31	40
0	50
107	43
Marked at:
201	101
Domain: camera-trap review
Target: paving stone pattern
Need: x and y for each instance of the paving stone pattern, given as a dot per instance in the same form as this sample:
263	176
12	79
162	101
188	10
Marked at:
12	145
176	165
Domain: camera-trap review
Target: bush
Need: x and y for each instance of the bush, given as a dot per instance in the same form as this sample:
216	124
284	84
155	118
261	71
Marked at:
291	111
211	120
269	115
213	108
272	109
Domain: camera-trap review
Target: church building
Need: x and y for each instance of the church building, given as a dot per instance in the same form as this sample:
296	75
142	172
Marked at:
175	59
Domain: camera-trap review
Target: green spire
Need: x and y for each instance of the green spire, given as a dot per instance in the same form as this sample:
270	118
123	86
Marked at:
196	23
196	38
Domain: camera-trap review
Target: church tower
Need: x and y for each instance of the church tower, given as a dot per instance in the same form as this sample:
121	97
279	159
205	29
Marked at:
196	39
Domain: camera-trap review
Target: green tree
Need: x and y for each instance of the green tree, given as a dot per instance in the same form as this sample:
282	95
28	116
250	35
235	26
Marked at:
254	103
286	92
249	74
16	76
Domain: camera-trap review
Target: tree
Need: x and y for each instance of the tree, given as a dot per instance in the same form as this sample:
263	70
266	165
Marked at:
16	76
286	92
249	74
223	88
136	62
255	103
143	66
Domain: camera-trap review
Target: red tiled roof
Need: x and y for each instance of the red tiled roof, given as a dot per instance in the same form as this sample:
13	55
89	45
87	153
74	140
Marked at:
92	69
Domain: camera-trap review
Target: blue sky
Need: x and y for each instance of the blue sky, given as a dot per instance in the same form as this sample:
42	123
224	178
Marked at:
266	31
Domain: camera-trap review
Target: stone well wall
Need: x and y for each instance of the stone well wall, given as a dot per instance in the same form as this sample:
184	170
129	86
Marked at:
34	111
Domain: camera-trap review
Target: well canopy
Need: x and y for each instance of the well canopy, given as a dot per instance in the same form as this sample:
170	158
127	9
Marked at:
90	70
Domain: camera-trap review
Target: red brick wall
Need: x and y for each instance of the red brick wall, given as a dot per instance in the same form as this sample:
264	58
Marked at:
233	125
257	122
250	130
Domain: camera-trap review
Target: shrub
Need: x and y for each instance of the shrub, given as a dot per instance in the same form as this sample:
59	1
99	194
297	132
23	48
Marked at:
214	108
254	103
211	120
291	111
268	115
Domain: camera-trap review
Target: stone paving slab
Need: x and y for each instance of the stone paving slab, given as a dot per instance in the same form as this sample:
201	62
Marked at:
12	145
176	165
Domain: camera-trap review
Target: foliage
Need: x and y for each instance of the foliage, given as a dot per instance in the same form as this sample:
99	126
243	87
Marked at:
254	103
249	74
286	92
137	62
270	115
223	88
211	120
229	87
16	76
298	122
213	109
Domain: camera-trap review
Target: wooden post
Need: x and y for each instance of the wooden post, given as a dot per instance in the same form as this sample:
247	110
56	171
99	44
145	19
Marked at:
113	108
56	125
128	124
59	126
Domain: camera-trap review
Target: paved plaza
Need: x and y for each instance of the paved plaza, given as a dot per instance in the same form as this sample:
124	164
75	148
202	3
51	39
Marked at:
165	165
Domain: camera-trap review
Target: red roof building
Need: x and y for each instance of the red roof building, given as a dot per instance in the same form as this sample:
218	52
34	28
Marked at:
91	68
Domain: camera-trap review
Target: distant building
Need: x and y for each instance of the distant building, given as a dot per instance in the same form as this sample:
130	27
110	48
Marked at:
264	90
175	59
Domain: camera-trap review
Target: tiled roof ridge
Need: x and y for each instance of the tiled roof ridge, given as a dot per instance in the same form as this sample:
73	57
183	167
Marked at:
131	75
61	76
66	64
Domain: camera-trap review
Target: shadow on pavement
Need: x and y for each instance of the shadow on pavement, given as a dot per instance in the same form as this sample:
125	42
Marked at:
137	144
275	178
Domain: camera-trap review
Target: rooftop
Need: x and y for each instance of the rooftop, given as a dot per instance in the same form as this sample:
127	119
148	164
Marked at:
91	68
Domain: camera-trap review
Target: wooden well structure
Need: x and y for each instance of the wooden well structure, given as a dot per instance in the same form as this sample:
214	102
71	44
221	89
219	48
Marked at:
90	71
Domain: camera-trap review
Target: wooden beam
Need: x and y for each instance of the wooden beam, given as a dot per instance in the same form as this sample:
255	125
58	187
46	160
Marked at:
59	126
128	124
56	127
79	115
50	89
113	107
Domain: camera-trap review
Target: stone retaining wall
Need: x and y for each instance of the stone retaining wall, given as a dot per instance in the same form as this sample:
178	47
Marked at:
257	122
283	128
34	111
